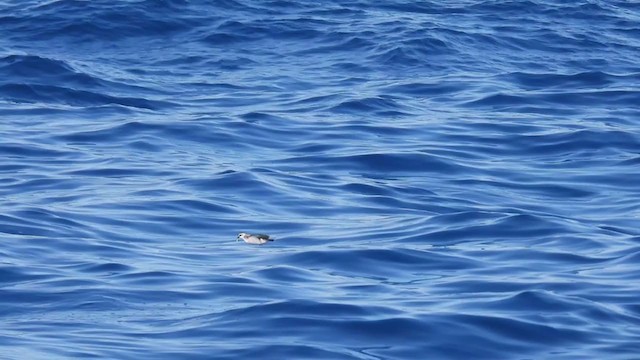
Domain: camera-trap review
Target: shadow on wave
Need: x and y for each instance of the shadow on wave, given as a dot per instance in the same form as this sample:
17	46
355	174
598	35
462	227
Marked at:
357	331
383	105
108	21
556	100
33	93
395	163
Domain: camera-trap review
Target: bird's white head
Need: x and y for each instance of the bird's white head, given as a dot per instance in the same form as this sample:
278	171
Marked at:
241	236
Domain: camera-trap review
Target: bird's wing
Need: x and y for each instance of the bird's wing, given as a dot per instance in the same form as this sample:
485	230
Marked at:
262	236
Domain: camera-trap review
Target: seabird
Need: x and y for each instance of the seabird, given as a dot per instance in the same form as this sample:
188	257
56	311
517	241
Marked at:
256	239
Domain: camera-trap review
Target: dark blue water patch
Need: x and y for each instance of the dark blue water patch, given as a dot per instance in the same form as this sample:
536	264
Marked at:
517	226
106	268
548	302
32	93
189	206
546	103
33	70
422	8
584	140
278	29
287	274
112	172
151	136
22	150
388	261
68	19
426	89
551	259
130	129
224	39
383	163
540	190
589	80
380	106
313	309
366	189
410	334
30	66
26	226
339	42
230	180
49	217
523	332
11	275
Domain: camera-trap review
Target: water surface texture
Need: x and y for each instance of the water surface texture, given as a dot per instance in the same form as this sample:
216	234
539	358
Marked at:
445	179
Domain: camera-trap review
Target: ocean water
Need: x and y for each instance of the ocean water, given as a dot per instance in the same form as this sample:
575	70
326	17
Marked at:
445	179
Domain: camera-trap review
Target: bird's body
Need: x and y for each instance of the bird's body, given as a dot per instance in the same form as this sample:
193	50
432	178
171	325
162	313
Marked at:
255	239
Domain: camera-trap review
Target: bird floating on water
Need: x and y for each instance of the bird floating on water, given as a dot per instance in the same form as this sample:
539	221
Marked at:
256	239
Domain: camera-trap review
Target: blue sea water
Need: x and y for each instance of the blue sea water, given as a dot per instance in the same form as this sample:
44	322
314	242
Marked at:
445	180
